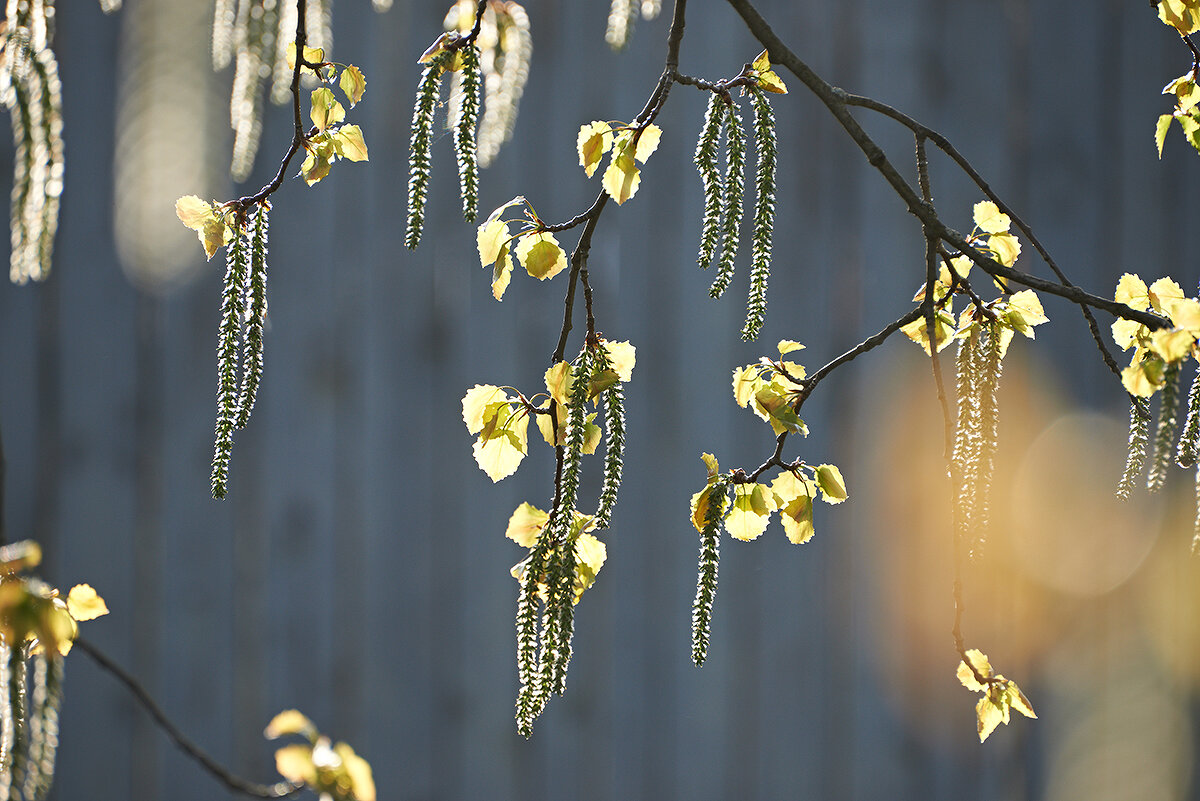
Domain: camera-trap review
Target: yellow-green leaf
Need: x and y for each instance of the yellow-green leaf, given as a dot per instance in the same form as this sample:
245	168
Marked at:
1127	332
1005	248
313	55
943	327
833	486
357	772
710	462
1143	378
289	721
752	505
541	255
316	163
501	272
476	401
593	142
967	676
500	456
1179	14
558	382
989	714
590	554
194	212
746	382
591	435
326	110
1132	291
1162	291
353	84
349	142
84	604
1018	701
788	486
491	236
1172	344
1160	131
786	346
294	763
796	517
526	524
439	44
622	178
623	356
778	409
990	219
648	142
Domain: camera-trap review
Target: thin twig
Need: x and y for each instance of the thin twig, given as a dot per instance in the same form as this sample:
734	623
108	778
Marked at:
235	783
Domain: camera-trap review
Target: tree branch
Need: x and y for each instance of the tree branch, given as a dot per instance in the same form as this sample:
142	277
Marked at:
236	783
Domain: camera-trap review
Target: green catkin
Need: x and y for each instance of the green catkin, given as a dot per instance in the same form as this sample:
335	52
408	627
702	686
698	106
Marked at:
621	16
18	746
30	88
1139	437
764	215
1196	520
531	697
44	703
222	33
706	578
256	318
714	188
614	447
990	368
422	138
732	203
233	309
504	80
464	136
967	434
1187	453
254	41
560	609
1168	424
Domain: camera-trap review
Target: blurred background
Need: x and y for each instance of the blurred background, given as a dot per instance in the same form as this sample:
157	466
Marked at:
359	570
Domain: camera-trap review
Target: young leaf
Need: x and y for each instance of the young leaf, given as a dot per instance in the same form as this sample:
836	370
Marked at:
796	517
500	455
326	111
349	144
84	604
541	255
1160	131
475	404
622	178
353	84
766	77
647	142
621	356
290	721
990	219
752	506
526	524
833	486
593	142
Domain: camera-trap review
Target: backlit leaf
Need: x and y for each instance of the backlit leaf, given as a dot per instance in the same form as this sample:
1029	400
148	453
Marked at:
796	517
501	272
622	356
1005	248
358	771
1162	291
84	604
647	143
353	84
1172	344
593	142
1132	291
349	143
525	524
786	346
326	110
982	665
1126	332
989	715
491	236
541	255
558	382
476	400
990	219
788	486
294	763
194	212
833	486
289	721
1160	131
622	178
746	383
500	456
710	462
750	513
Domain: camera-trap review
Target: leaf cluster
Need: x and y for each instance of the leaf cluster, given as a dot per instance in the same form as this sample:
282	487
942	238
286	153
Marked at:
1000	695
332	138
536	248
1015	313
37	629
332	770
628	144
